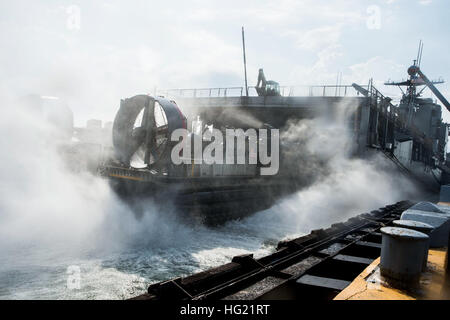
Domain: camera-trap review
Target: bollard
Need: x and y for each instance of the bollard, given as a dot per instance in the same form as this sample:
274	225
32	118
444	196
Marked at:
402	254
421	227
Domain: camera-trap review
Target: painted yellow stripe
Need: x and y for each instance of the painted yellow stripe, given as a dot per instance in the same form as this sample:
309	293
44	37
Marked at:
125	177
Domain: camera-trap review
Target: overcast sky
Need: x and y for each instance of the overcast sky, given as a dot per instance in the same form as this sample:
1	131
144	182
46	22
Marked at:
93	53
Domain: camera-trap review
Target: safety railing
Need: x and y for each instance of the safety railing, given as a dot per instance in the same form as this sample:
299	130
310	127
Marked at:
286	91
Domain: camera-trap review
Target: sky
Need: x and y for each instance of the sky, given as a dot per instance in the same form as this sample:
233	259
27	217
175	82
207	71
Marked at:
91	54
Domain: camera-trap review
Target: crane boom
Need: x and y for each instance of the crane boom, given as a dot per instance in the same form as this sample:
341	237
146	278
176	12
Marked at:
361	90
433	89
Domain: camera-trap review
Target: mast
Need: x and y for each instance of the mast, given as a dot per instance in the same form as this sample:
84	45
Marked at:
245	62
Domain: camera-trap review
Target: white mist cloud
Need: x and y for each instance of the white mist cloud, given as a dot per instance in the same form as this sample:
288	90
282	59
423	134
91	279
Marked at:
319	38
425	2
343	185
47	206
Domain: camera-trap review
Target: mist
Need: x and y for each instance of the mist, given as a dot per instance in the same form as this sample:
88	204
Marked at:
45	203
339	185
54	216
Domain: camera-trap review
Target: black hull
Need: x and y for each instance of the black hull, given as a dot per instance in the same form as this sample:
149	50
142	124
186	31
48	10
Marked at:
209	201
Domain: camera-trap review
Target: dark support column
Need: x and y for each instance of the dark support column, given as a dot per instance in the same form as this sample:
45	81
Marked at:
149	118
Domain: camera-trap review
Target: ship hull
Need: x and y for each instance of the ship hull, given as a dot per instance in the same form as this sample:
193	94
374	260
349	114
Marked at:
206	200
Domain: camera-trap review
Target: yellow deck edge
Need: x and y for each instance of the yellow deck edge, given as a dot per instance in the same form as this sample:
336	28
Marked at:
369	285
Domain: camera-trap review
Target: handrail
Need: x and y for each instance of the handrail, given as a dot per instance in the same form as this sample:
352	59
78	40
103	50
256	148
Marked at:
285	91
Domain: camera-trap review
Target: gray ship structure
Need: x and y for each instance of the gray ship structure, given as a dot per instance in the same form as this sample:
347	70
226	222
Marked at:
411	134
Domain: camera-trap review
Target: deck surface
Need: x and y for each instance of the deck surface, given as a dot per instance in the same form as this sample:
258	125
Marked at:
369	285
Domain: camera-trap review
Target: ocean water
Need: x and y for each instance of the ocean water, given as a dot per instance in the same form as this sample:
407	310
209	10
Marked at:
46	272
123	255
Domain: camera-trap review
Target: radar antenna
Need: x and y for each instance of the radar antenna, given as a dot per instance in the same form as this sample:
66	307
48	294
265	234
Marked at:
417	78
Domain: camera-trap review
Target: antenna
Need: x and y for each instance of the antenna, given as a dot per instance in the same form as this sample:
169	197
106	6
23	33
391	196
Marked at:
419	53
420	58
245	62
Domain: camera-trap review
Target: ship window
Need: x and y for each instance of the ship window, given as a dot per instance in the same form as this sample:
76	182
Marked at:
274	87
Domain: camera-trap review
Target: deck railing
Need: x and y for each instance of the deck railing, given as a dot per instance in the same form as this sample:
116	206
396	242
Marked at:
286	91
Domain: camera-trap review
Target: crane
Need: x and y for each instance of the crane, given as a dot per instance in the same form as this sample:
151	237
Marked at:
266	88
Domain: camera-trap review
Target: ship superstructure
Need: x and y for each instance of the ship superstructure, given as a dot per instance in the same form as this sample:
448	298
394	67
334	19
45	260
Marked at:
422	136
